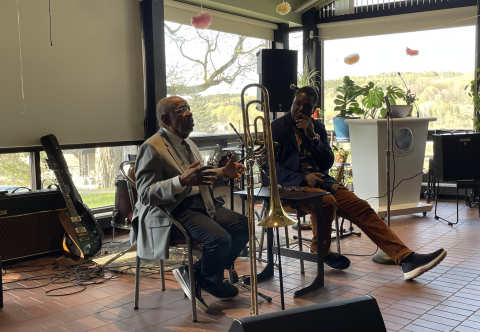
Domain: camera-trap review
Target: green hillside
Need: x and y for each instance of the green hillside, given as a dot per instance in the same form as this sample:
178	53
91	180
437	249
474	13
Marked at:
440	95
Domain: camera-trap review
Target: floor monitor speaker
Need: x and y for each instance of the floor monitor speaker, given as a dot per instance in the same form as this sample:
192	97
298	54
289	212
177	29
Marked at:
359	314
277	69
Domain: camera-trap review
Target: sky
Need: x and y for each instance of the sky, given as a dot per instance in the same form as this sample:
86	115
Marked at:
450	49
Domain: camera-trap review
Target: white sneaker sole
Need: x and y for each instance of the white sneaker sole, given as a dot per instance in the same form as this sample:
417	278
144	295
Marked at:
422	269
186	290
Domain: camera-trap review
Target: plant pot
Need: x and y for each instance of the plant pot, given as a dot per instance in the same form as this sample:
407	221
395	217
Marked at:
341	129
401	111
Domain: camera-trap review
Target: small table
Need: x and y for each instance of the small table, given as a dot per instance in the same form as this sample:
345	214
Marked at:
294	199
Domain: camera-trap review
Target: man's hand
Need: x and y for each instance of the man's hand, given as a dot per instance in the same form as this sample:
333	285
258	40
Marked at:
233	170
306	123
197	176
313	180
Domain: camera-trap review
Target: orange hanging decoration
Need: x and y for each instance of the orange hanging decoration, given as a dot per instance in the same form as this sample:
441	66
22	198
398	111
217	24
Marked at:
352	59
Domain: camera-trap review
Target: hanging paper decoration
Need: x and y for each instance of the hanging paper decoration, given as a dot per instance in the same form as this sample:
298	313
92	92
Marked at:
202	20
284	8
352	59
412	52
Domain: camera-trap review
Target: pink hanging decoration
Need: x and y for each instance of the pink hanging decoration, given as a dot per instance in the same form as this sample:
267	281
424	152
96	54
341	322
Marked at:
352	59
202	20
412	52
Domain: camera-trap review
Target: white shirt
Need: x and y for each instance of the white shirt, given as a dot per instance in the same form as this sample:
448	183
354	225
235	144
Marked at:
177	145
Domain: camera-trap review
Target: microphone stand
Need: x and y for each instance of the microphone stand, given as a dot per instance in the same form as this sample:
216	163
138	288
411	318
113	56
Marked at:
381	257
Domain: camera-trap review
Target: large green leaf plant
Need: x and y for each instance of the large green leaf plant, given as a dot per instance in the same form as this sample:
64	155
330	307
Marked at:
373	99
345	100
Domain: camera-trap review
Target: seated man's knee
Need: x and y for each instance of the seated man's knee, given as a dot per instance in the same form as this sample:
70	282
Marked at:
329	203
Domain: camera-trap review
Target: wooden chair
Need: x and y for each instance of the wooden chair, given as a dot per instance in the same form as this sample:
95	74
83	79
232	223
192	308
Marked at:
130	177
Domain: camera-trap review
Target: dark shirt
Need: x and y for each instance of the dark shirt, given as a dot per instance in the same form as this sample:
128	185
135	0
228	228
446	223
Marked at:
307	163
288	161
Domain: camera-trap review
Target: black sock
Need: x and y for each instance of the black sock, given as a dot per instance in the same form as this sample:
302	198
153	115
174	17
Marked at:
408	259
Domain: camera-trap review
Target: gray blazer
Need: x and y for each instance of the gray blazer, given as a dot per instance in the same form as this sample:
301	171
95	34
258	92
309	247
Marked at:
156	166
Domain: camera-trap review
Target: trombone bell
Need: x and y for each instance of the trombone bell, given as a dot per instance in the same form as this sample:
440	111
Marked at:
276	217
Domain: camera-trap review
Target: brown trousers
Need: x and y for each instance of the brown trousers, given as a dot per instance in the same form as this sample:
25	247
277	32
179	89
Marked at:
359	212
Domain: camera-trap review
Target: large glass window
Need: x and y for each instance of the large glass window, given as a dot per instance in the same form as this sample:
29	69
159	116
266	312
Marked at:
209	69
437	74
14	171
93	172
435	64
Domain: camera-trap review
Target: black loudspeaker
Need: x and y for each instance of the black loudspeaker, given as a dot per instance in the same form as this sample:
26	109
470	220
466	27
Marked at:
358	314
456	156
29	224
1	285
277	69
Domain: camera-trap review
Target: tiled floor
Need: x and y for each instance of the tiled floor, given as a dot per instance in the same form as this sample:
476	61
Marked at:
444	299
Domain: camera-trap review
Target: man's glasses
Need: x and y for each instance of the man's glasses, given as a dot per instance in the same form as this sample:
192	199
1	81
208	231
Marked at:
183	109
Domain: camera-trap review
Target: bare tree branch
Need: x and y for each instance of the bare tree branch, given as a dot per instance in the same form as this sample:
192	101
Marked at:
238	64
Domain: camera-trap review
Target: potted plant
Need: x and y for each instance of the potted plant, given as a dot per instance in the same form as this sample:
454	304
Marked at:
307	77
475	95
347	105
373	99
403	111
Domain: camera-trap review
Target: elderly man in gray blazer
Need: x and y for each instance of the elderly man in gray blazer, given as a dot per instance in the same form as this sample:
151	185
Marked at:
170	173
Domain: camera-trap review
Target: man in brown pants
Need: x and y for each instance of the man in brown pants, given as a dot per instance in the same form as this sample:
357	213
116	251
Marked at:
303	158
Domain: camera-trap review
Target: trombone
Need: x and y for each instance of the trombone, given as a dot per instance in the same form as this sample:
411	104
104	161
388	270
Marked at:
276	216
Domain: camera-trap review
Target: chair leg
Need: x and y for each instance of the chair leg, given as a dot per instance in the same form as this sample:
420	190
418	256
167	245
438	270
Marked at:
300	245
260	247
192	283
137	283
337	236
162	274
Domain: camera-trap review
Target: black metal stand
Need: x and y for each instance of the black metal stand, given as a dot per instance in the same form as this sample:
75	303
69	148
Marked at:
234	279
465	184
282	299
381	257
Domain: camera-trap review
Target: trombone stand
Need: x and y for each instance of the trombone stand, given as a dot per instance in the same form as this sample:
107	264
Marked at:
381	257
282	299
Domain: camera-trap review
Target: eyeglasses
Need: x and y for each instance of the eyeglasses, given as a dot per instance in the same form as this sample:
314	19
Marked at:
183	109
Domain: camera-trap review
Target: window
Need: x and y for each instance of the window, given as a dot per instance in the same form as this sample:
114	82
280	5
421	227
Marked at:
93	172
437	75
296	44
15	171
209	69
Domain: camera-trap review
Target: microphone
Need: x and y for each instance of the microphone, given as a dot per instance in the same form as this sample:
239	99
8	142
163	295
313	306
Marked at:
293	87
389	107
